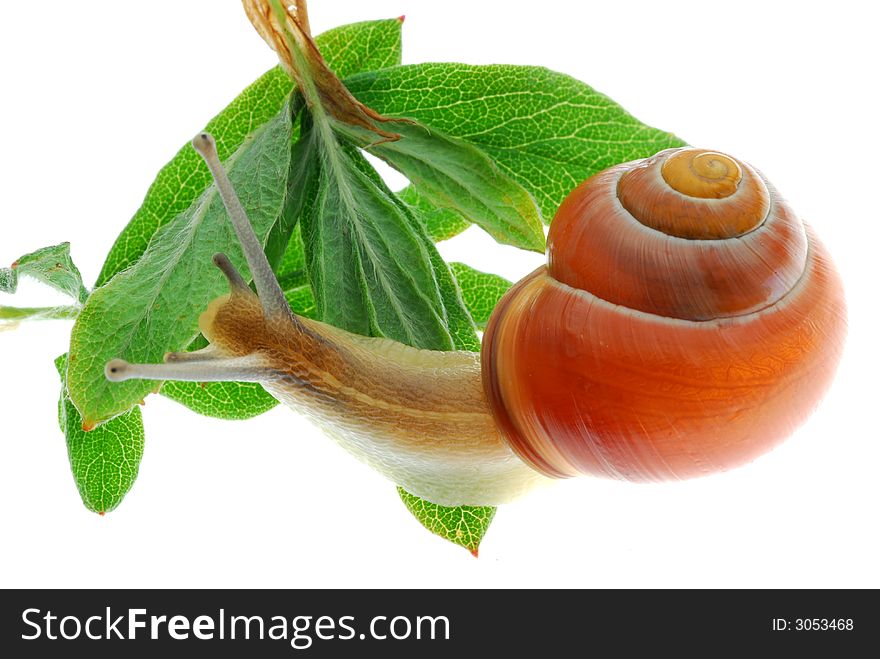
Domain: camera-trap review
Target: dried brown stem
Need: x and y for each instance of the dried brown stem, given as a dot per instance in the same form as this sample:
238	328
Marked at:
288	33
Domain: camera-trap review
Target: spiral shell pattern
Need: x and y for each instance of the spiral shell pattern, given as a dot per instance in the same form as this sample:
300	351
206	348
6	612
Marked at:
686	322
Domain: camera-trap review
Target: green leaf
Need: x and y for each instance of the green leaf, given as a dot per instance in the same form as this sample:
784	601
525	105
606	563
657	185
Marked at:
8	280
104	461
545	130
480	291
348	49
51	266
302	301
153	307
221	400
291	272
465	525
441	223
366	46
458	320
454	174
370	270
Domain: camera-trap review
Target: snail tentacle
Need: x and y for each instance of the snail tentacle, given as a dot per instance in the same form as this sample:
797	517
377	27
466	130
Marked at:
269	291
248	368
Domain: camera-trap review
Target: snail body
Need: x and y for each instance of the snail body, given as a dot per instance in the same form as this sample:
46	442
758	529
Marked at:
419	417
685	323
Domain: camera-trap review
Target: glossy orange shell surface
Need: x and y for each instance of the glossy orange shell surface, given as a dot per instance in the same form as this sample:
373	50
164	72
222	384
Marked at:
643	356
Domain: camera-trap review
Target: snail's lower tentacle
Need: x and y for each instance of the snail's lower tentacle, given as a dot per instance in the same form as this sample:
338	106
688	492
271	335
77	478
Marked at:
249	368
209	354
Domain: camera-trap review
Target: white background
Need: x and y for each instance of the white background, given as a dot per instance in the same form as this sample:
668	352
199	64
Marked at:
97	96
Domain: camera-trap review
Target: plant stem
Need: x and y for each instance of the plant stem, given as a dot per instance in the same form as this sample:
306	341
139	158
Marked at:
302	14
38	313
301	64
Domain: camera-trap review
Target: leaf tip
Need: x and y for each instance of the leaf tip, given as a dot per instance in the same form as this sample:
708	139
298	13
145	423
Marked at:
101	513
475	552
88	426
401	18
538	243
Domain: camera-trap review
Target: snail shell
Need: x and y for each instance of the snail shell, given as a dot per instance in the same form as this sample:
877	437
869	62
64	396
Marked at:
686	322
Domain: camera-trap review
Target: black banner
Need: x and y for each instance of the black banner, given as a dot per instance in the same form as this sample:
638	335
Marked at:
427	623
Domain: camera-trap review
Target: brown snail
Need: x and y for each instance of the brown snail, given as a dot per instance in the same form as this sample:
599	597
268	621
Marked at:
686	322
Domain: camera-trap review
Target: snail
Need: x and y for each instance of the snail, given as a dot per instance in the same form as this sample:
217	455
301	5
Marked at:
685	322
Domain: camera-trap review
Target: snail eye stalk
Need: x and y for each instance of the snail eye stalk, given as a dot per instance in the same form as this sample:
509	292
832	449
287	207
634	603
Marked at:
269	291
